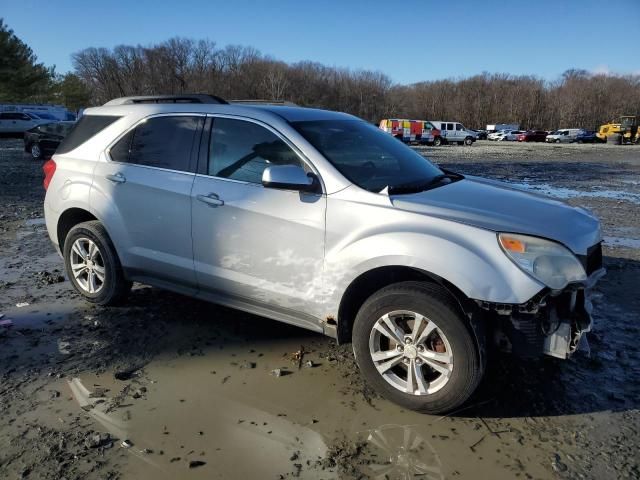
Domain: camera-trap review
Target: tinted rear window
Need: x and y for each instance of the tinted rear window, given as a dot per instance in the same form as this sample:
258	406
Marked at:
162	142
86	128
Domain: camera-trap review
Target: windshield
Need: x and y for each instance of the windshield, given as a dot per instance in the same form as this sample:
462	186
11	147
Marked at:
366	155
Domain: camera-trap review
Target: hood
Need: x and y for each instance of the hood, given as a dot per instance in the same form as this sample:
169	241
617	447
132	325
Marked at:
498	207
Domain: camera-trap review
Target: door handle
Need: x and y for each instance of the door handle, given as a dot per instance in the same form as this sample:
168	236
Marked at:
116	178
212	199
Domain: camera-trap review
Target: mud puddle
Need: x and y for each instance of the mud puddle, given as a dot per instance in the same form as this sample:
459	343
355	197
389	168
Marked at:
192	387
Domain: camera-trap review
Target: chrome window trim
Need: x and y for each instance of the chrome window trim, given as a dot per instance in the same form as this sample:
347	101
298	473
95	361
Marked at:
107	151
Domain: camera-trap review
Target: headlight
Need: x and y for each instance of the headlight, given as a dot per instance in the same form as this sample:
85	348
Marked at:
547	261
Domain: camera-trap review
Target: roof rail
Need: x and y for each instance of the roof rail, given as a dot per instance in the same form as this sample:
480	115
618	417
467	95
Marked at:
264	102
184	98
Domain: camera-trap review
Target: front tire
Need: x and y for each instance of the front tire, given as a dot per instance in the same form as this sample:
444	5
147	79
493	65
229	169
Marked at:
92	265
412	343
468	141
437	142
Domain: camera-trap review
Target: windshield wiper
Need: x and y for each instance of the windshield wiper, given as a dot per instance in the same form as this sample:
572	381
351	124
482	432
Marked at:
416	187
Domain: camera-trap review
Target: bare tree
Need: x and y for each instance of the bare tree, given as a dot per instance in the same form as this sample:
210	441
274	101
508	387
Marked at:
576	99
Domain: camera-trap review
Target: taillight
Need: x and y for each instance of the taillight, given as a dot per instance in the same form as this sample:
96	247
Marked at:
49	168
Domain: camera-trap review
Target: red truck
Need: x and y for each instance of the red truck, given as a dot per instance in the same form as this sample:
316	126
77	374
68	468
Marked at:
410	131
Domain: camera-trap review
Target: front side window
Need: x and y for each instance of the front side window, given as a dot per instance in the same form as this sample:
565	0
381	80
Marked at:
162	142
365	155
241	150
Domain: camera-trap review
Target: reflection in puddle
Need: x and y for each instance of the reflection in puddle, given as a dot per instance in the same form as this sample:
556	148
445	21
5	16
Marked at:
401	452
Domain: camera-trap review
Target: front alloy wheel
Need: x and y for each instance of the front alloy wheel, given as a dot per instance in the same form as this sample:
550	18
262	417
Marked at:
410	352
415	346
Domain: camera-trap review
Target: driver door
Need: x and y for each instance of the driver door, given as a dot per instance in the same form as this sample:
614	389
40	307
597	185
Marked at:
252	244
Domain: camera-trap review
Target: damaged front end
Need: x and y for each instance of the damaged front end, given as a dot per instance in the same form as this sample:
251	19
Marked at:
553	322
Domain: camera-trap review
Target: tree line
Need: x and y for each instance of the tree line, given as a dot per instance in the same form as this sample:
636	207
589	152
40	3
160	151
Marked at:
25	80
577	99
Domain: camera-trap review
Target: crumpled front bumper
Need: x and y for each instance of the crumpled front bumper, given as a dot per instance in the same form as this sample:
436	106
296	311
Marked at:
551	323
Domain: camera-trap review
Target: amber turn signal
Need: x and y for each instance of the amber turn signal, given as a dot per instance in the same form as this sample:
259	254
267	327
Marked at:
512	244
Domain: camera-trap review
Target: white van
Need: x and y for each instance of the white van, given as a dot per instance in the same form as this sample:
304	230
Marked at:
564	135
455	132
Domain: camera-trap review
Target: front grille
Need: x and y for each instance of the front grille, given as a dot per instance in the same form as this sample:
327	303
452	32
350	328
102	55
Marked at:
593	260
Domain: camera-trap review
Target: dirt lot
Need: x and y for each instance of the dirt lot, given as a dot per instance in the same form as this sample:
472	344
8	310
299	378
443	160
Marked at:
191	386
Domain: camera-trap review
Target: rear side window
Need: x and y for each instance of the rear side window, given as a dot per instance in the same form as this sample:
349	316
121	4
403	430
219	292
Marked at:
162	142
86	128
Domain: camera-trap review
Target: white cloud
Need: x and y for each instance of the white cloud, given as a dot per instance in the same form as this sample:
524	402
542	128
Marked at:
601	70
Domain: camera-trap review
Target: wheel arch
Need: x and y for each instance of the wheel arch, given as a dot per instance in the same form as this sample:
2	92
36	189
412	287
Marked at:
69	219
369	282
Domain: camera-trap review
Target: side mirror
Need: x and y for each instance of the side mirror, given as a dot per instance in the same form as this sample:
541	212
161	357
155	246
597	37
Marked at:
289	177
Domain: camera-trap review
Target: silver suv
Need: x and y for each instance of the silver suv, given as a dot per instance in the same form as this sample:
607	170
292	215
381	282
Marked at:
320	220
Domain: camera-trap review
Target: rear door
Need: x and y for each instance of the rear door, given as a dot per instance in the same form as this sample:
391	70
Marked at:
255	245
147	183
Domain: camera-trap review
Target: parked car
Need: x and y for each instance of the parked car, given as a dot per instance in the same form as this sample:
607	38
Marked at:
494	135
44	116
565	135
58	112
506	135
16	123
321	220
497	127
588	136
455	132
42	141
532	136
481	134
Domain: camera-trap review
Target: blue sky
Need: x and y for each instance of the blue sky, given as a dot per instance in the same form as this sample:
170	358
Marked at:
408	40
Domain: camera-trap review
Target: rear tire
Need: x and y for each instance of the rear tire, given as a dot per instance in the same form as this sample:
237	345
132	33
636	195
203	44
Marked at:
36	152
92	265
450	337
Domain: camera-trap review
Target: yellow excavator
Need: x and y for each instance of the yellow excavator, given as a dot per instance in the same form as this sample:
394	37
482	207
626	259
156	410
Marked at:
626	130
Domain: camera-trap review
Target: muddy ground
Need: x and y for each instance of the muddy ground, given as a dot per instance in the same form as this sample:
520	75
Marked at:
171	387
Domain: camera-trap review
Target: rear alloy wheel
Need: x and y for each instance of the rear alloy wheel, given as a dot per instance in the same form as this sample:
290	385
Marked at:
413	344
93	266
35	151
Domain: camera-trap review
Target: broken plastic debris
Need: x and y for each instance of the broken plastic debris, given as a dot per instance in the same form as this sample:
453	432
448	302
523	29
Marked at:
22	304
5	323
126	444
